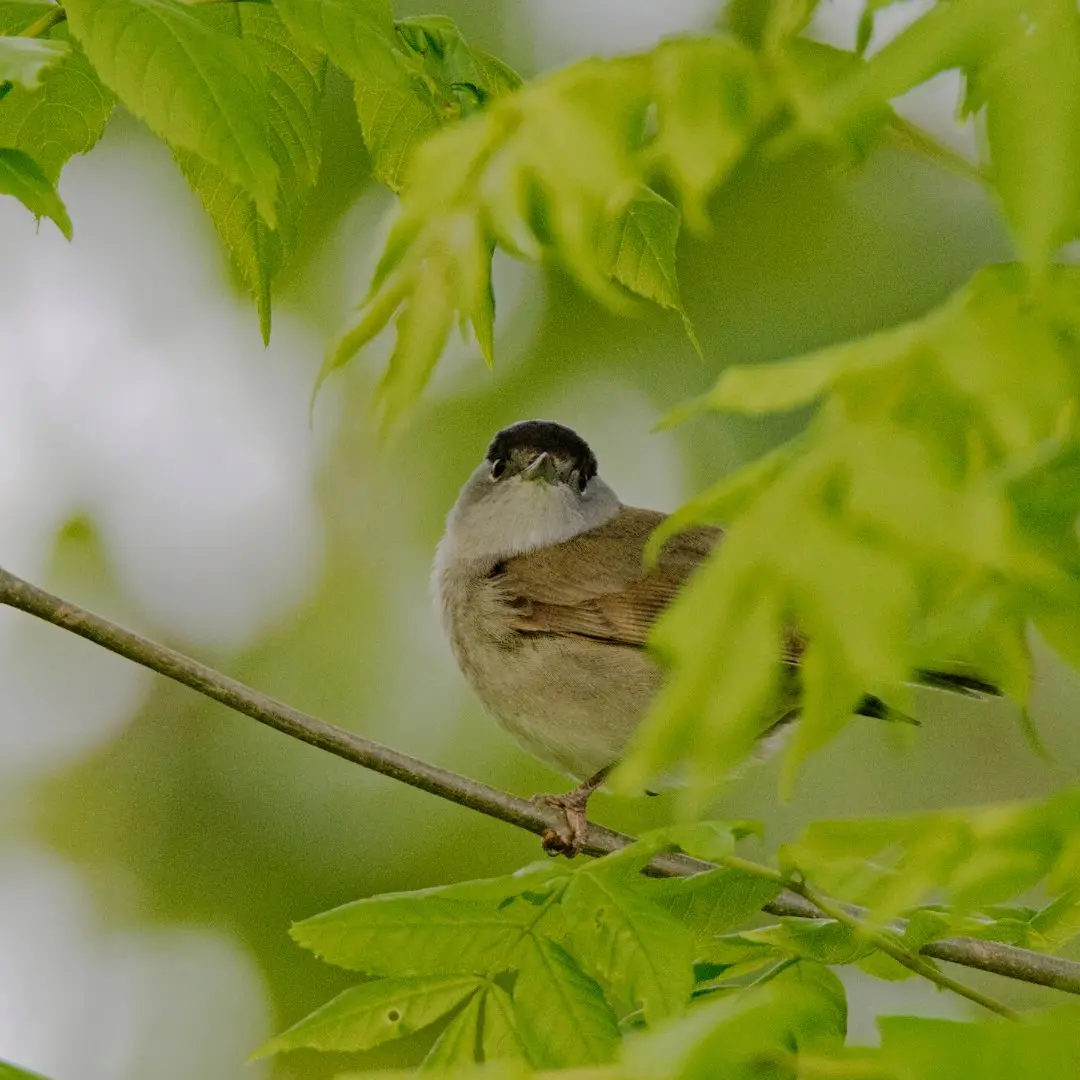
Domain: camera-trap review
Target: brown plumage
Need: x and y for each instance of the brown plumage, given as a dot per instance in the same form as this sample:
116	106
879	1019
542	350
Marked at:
596	585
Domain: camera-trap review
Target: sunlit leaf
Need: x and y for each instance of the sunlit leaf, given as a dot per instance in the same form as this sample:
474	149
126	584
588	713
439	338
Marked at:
21	176
421	935
293	91
629	944
499	1039
66	113
551	985
199	89
457	1042
376	1012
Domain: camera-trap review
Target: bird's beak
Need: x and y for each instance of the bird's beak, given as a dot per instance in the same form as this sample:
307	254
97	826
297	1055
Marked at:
542	467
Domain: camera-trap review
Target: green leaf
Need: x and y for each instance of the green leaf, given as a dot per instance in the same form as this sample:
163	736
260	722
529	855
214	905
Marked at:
411	77
638	251
561	1013
457	1042
12	1072
920	1049
1022	59
712	903
376	1012
22	177
1059	922
1032	86
499	1039
358	35
978	858
66	113
821	940
23	60
414	935
293	91
199	89
865	29
740	1036
632	946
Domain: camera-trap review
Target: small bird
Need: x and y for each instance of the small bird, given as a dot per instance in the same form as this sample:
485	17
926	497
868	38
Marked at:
540	583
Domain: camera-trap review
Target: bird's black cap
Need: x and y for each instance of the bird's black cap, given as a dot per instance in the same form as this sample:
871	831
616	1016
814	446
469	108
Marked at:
544	436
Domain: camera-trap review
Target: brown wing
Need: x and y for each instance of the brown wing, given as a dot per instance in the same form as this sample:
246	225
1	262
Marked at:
595	585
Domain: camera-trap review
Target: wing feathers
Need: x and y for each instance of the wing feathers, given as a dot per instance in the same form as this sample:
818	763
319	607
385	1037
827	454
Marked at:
595	585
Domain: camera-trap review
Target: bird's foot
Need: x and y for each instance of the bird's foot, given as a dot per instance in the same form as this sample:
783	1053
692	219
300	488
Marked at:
568	837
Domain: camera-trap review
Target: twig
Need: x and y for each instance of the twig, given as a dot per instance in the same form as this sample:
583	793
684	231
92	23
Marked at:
47	21
883	939
1006	960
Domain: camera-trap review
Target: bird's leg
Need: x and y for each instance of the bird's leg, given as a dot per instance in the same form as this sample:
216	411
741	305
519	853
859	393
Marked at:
569	837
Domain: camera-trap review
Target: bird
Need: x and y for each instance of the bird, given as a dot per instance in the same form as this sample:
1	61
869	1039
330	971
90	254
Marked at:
542	590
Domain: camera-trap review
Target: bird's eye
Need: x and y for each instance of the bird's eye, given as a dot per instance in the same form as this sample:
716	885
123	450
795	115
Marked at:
498	467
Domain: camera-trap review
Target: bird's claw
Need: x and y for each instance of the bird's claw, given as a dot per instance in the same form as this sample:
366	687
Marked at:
568	836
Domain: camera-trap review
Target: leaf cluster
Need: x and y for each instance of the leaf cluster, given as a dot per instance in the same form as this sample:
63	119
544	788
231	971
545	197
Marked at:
612	974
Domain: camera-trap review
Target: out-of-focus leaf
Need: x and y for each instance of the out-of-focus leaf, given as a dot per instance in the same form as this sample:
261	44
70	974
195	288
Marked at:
12	1072
978	858
24	60
925	541
561	1014
197	88
293	90
1046	1046
457	1043
632	946
21	176
802	1010
821	940
710	99
1022	60
377	1012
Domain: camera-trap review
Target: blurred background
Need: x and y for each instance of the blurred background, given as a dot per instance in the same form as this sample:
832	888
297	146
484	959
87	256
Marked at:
156	464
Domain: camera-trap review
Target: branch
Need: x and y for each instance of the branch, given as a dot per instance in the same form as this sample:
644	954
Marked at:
884	939
1006	960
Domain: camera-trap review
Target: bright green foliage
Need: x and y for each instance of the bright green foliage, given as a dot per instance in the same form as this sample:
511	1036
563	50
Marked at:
550	983
1022	62
545	965
376	1012
23	60
65	113
21	176
584	946
503	177
934	512
10	1072
291	96
411	77
198	88
977	858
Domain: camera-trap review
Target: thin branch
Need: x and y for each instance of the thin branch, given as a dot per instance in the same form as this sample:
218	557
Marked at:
883	939
1005	960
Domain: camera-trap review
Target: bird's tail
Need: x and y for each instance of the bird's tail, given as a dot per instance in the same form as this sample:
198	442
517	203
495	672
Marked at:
956	682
